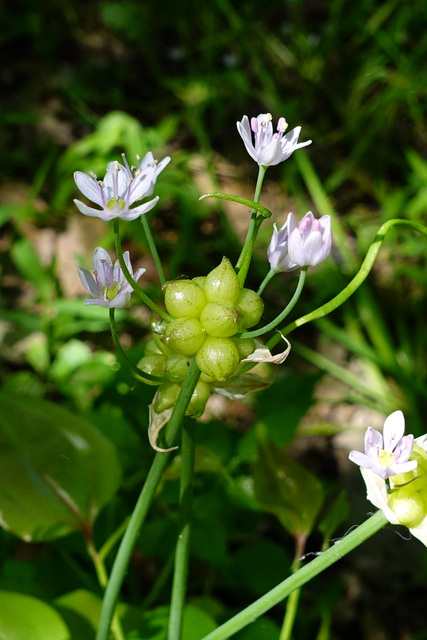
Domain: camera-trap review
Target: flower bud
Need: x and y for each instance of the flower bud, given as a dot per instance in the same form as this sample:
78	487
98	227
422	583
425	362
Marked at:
408	506
154	365
176	367
184	298
184	335
310	242
217	357
221	283
250	306
198	400
220	320
166	396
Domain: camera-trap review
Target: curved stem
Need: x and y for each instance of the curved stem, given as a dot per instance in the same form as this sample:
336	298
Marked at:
141	375
153	249
361	275
296	580
285	312
142	506
243	263
135	286
266	280
182	552
291	611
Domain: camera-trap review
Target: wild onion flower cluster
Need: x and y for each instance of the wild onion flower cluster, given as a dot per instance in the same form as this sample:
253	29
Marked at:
205	317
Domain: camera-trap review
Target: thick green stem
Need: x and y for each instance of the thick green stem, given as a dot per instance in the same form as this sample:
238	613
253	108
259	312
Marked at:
301	577
271	325
135	286
153	249
361	275
142	506
182	552
245	257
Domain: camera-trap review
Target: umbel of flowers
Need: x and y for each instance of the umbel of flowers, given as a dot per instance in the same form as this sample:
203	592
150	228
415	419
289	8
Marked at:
207	318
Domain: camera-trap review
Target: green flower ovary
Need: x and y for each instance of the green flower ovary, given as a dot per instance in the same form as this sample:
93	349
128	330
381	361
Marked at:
112	203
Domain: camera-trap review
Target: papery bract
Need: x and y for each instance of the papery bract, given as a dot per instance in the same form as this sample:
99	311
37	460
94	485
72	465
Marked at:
109	288
309	242
269	148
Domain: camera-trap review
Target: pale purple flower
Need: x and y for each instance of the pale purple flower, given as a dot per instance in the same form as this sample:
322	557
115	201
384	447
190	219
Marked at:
309	242
277	252
119	190
388	454
269	148
109	288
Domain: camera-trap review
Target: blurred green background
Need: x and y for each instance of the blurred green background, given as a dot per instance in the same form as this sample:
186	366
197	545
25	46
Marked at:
84	82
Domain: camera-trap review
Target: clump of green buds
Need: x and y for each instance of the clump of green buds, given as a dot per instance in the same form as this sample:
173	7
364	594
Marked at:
208	314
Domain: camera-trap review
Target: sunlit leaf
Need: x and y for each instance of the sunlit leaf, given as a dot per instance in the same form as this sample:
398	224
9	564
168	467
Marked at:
23	617
58	470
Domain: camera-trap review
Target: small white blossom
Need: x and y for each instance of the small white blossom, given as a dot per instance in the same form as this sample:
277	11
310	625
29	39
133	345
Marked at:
109	288
388	454
269	148
120	189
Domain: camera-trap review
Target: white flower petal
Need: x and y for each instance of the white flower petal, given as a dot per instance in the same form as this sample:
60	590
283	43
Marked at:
89	187
134	213
88	282
92	212
394	428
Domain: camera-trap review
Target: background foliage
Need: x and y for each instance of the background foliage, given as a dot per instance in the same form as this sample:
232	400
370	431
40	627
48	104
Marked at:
85	82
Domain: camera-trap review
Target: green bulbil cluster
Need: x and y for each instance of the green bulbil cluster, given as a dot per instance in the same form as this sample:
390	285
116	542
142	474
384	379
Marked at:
208	313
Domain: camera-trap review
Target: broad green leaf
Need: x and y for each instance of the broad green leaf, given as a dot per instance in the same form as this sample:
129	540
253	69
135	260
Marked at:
81	610
58	470
338	512
27	261
261	629
287	489
23	617
260	565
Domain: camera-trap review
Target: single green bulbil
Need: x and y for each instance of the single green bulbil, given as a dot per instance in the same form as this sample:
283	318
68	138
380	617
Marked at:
166	397
217	358
251	308
220	320
408	506
199	399
184	299
184	335
245	346
176	367
153	365
222	284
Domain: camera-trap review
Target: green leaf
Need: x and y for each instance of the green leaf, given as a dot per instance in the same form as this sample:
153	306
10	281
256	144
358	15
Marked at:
58	470
196	624
284	404
28	263
261	629
81	610
338	512
287	489
23	617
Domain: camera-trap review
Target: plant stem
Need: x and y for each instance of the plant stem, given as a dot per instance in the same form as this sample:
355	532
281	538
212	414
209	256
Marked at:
355	283
291	611
142	506
141	375
301	577
266	280
102	576
244	260
153	249
135	286
182	552
285	312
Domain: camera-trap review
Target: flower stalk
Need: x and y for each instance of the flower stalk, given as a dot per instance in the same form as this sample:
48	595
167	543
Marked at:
143	504
340	549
